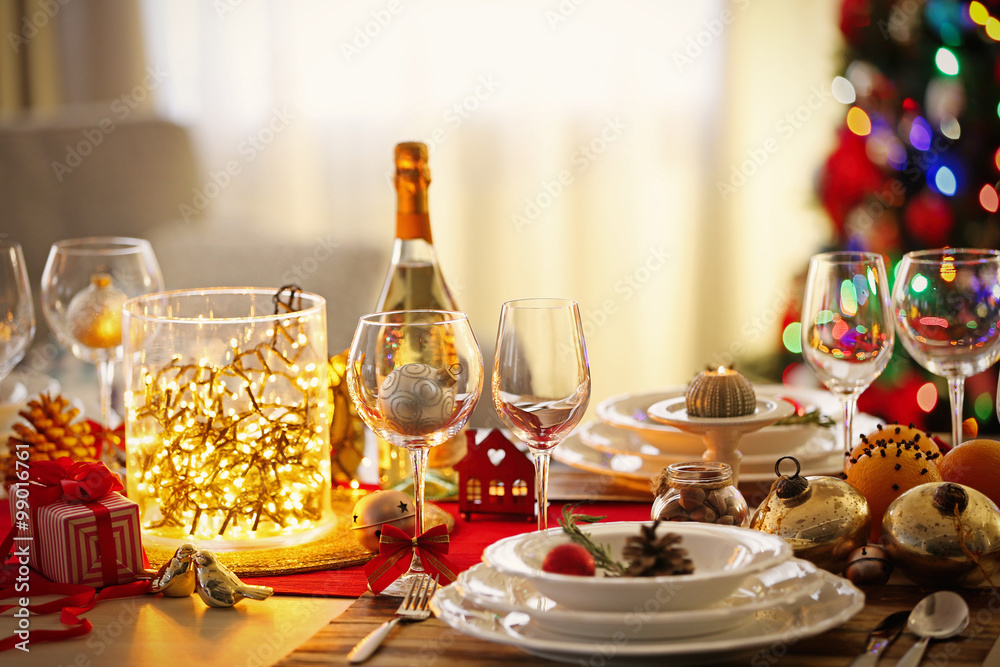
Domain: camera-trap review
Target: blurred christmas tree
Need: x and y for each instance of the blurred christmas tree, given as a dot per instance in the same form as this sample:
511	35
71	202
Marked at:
916	166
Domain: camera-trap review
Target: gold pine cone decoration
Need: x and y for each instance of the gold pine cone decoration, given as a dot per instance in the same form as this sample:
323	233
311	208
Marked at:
347	430
722	393
51	433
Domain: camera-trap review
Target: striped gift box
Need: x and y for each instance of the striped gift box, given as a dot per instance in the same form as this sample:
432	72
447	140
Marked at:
65	546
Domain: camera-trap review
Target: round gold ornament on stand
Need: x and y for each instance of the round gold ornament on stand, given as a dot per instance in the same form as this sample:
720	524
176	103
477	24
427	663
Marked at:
823	518
942	534
95	314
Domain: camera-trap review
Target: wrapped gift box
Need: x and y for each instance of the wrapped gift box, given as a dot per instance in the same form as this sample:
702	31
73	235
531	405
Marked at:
65	546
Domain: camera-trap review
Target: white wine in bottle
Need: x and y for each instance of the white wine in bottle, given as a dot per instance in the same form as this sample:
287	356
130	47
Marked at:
415	282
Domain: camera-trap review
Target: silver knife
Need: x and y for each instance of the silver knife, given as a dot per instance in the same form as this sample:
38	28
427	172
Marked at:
993	657
880	638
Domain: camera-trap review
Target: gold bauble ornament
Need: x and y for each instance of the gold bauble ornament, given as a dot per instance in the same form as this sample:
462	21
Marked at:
824	519
942	534
94	315
720	393
347	429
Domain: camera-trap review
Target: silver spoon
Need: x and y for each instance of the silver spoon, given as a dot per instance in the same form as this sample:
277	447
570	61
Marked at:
939	615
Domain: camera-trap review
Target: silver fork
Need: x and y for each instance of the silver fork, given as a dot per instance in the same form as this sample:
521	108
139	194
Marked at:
413	608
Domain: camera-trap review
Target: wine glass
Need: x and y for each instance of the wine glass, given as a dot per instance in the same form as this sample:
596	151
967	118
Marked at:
84	285
847	331
17	315
947	308
415	376
541	379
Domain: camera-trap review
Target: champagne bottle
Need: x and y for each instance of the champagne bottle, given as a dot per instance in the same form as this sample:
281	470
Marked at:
415	282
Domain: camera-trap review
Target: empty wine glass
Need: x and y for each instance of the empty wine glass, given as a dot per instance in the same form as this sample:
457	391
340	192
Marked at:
84	285
947	310
415	376
847	331
17	314
541	379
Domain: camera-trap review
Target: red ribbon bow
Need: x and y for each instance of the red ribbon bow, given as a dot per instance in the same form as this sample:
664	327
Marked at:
396	549
72	481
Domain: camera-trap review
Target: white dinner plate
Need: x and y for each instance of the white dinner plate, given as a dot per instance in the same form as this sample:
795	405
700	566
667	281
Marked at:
783	584
629	412
607	438
573	451
769	632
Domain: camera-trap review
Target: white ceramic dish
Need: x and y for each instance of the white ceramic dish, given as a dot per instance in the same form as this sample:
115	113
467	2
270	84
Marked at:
629	412
768	633
604	437
638	471
723	555
783	584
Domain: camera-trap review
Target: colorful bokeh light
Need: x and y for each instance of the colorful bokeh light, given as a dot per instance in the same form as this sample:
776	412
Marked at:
843	90
944	181
993	29
919	283
988	198
978	13
983	406
858	122
792	337
927	396
946	61
920	134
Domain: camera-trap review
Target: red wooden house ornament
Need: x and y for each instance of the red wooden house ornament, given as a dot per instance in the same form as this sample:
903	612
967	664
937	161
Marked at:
495	477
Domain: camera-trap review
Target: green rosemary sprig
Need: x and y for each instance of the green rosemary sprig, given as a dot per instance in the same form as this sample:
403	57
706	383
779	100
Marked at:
602	558
812	417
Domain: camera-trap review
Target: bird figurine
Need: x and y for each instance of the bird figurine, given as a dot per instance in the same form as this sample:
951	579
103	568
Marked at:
176	578
218	587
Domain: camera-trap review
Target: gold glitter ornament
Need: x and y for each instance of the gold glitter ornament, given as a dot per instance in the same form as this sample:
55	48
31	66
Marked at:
942	534
95	313
347	429
824	519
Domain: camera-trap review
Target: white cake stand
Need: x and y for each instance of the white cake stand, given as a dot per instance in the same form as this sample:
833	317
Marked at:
722	435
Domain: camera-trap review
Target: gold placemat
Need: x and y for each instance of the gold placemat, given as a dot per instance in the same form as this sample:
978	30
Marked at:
338	548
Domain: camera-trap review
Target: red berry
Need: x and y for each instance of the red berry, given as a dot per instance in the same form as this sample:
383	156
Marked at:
569	559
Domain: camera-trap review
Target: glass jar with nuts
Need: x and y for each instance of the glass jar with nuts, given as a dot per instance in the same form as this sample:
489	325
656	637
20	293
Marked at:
699	491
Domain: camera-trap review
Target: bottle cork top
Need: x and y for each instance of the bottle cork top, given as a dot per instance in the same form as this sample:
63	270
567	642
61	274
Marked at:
411	155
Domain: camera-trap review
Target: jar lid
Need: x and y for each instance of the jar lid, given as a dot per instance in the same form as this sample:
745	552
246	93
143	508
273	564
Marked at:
704	474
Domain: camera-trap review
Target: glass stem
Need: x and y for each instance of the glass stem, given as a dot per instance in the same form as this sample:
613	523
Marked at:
105	378
849	403
541	457
418	464
956	391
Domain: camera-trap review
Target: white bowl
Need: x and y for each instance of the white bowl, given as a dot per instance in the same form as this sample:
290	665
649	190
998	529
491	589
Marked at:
787	583
723	557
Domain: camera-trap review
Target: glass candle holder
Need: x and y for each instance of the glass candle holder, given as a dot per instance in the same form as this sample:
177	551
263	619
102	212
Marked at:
227	425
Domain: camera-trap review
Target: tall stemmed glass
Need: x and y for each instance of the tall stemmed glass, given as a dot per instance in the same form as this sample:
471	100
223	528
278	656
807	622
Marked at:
17	315
847	332
415	376
84	285
947	308
541	379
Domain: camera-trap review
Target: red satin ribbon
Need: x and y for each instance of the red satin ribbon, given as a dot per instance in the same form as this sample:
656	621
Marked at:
396	550
78	599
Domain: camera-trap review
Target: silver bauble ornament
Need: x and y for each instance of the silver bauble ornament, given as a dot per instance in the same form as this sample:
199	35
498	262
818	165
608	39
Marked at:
94	315
390	507
942	534
824	519
417	399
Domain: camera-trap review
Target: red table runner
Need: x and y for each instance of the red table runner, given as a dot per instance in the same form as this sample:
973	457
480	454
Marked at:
468	540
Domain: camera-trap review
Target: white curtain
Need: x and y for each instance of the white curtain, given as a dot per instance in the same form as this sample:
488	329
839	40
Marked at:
636	155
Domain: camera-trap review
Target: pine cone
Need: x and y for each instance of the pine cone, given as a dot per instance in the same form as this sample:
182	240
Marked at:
649	556
52	434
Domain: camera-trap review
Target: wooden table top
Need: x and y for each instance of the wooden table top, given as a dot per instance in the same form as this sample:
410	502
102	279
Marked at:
433	643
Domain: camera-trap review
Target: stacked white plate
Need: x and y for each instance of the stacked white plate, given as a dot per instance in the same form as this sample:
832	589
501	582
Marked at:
746	595
626	443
